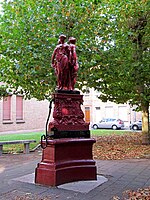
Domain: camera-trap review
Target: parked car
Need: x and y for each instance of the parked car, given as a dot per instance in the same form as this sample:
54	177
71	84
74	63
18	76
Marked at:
109	123
136	125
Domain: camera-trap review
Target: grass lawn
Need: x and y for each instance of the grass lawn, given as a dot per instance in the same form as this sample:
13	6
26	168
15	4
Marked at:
37	136
107	132
20	136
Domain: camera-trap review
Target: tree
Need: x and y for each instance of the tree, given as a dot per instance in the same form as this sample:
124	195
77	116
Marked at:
29	34
112	46
125	75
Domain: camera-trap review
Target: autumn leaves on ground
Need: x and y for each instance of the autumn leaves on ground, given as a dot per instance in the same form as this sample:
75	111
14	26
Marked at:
116	147
127	146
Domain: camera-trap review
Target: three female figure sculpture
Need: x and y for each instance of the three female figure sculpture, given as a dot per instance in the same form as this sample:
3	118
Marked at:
64	61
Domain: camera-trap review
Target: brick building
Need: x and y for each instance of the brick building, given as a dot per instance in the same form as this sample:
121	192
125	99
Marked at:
18	114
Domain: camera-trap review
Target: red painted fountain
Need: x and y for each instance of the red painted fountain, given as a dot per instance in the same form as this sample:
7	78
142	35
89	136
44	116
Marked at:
67	154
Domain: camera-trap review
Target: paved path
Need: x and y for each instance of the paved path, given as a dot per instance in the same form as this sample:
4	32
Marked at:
122	175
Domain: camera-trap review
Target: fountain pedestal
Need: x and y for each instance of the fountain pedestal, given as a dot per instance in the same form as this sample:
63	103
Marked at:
68	155
66	160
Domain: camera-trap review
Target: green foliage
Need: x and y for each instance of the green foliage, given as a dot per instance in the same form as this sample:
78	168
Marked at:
26	47
29	33
3	91
112	46
124	73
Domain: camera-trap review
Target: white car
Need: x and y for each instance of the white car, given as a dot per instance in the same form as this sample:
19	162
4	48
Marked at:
136	125
109	123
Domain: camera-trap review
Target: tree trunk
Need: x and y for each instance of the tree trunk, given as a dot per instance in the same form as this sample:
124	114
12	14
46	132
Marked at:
145	123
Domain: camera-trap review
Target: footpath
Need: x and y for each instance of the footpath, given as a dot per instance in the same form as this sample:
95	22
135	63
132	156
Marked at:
114	177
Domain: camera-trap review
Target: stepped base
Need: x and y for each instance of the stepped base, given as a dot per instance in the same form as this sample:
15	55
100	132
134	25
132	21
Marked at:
66	160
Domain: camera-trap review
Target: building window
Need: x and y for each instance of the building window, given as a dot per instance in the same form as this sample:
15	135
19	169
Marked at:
97	114
109	112
19	108
7	108
122	113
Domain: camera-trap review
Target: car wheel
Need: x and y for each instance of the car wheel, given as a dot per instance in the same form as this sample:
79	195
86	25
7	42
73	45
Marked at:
95	126
114	127
135	127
